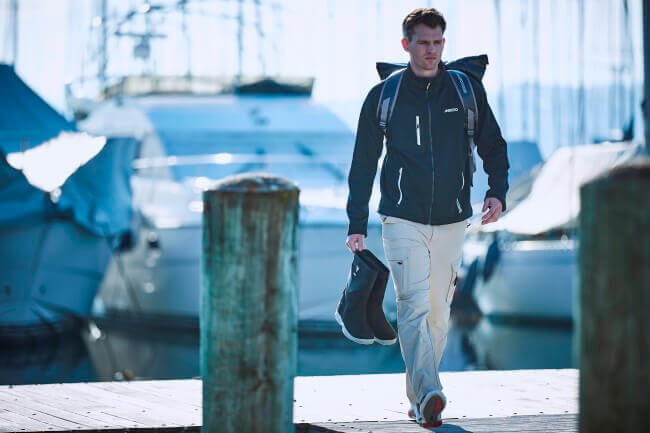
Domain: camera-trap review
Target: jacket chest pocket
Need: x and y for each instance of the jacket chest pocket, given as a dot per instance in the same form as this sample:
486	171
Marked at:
409	131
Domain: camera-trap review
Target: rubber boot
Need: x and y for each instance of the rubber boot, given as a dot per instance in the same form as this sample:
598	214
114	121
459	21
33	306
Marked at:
351	310
381	328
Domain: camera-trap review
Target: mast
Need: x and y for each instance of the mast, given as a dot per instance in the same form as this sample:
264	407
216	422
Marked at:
103	55
646	69
14	31
240	41
260	35
502	96
182	4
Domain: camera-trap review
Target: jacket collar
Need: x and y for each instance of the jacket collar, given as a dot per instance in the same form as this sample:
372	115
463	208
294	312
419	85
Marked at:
423	82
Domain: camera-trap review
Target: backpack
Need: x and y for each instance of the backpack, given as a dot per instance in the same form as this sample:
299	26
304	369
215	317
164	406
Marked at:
459	70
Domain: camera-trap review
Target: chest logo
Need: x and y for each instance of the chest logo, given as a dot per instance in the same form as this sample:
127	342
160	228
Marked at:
451	110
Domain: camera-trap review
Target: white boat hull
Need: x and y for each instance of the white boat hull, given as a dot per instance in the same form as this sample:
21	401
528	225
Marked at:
531	280
164	282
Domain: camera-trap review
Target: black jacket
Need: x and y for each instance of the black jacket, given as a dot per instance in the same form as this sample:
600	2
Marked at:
425	176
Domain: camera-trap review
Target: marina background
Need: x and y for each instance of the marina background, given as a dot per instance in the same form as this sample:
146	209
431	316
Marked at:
561	74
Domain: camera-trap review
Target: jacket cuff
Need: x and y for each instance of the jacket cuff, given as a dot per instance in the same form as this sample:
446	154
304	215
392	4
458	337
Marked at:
357	230
500	198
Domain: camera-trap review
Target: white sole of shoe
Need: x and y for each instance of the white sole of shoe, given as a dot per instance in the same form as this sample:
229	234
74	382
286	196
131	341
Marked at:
349	336
432	407
386	342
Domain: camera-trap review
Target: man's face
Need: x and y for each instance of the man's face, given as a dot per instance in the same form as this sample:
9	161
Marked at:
425	47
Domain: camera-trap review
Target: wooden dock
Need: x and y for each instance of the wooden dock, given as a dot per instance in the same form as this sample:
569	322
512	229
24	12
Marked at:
478	401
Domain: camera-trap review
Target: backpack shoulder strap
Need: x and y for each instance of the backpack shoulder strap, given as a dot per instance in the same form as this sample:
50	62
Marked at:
387	98
465	91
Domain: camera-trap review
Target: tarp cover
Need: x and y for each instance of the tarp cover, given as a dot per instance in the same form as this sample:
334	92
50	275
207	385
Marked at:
554	200
97	194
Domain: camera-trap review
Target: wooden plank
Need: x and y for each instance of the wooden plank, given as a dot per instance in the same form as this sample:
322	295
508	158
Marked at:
567	423
164	394
132	409
49	420
337	400
75	409
51	410
21	423
172	411
186	391
125	411
381	397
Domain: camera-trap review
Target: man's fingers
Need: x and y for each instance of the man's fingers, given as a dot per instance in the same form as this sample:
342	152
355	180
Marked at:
355	243
488	216
491	216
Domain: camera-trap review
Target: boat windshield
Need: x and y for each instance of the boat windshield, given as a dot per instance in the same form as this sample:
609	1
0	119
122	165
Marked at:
308	159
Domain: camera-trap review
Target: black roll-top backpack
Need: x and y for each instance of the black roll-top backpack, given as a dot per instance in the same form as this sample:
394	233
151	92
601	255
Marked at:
459	70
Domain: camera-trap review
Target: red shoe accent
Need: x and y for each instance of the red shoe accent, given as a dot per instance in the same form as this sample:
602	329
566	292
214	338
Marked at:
433	413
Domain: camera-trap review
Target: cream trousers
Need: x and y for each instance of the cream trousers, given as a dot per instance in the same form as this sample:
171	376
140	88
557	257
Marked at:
424	261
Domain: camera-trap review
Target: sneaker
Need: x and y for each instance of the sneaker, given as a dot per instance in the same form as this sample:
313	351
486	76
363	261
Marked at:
432	406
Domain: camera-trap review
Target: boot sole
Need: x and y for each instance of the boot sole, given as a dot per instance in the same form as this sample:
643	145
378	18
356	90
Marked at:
349	336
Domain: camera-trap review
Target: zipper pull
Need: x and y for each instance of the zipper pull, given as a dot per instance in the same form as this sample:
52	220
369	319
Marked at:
417	129
428	85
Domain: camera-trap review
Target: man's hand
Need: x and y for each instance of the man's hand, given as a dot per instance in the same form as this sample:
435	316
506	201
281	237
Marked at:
494	206
355	243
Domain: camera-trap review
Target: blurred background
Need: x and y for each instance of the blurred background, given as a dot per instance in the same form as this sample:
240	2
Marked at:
116	114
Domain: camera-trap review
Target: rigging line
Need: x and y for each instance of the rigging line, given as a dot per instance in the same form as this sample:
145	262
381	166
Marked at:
500	61
182	4
240	40
555	89
14	29
630	64
537	86
275	8
581	68
524	85
611	84
260	35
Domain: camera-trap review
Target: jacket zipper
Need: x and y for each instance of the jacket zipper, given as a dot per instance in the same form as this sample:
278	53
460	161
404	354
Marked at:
399	186
417	128
432	161
462	185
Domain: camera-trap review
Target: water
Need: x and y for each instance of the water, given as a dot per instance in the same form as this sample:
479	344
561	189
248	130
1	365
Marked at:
111	352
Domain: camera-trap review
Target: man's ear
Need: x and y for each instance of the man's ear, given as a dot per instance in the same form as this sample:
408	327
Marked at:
405	44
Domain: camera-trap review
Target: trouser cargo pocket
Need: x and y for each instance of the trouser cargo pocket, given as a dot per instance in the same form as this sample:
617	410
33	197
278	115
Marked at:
452	282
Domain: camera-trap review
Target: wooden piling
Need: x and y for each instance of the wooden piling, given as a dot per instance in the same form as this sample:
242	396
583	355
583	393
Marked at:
614	301
249	305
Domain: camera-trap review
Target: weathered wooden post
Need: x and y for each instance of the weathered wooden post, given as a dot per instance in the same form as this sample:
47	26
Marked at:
249	304
614	301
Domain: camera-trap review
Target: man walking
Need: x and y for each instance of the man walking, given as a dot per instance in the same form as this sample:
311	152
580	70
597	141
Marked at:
424	206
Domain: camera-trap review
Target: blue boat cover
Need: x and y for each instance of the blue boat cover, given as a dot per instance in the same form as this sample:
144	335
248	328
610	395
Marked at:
26	120
97	195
